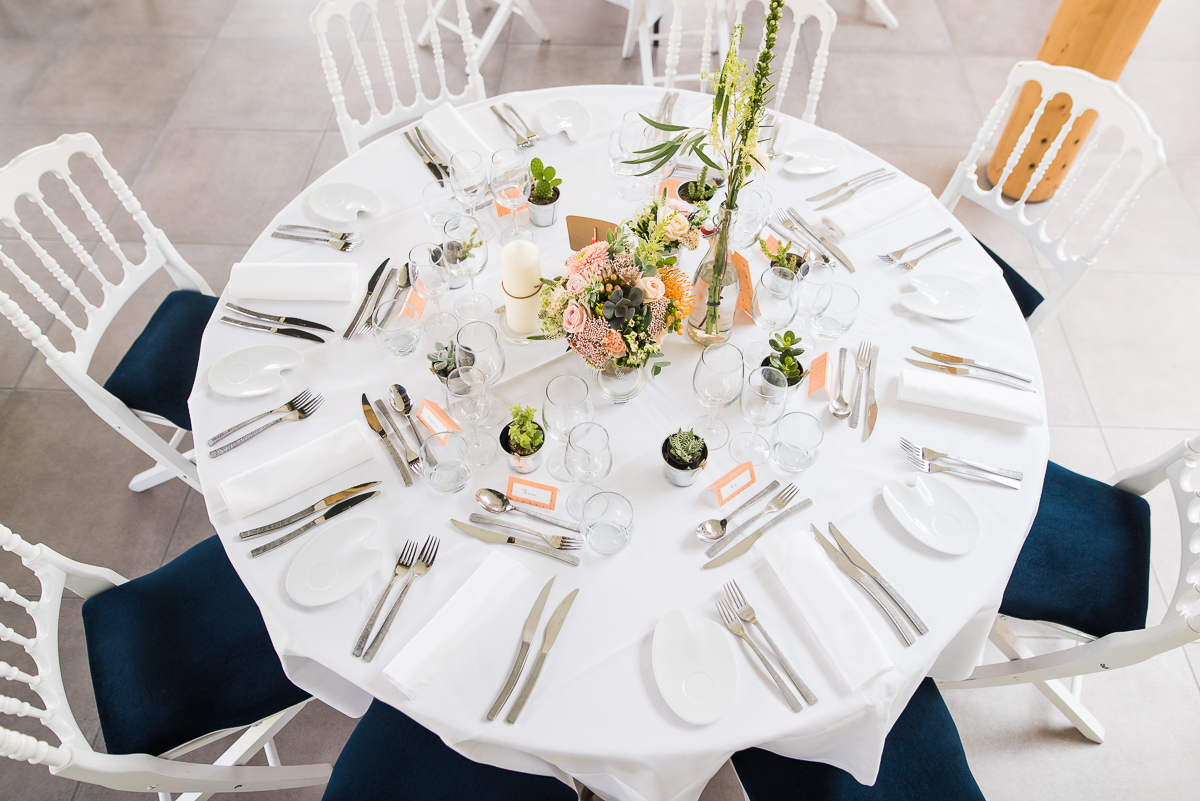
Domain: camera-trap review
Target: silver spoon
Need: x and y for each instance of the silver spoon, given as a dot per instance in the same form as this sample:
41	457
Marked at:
713	530
838	407
400	401
497	503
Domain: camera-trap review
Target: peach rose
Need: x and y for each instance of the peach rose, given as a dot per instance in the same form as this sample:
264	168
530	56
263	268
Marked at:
677	227
574	318
652	288
576	282
613	344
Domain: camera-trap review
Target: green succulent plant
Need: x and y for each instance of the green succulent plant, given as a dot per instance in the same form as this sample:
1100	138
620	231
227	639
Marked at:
524	435
441	359
619	308
685	446
544	181
781	252
786	357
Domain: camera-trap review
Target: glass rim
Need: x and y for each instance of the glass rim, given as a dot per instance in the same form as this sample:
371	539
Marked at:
611	496
799	417
766	372
574	380
415	254
465	326
389	305
591	424
715	349
456	218
466	153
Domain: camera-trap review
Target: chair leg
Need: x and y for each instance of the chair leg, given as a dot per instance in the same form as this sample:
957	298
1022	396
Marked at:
272	753
884	13
535	22
493	31
423	35
645	52
161	474
631	26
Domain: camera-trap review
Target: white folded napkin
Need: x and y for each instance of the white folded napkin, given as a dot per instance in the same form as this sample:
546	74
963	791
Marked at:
454	133
487	590
292	281
972	395
873	208
295	471
834	617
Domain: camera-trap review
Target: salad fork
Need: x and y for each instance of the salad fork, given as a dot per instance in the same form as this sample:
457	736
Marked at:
403	564
734	624
555	541
424	562
346	245
897	255
530	134
344	235
303	410
911	263
746	612
930	467
930	454
776	505
290	406
861	361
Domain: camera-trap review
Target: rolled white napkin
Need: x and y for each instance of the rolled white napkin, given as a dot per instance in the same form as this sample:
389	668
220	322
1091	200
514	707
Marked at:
292	281
295	471
454	133
971	395
874	208
487	590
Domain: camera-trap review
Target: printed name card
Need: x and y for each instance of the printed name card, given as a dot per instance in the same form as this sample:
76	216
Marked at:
434	418
818	373
745	286
521	490
728	486
416	299
672	187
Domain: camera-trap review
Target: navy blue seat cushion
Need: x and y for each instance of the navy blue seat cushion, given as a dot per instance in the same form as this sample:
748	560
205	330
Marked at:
923	760
1027	297
1086	561
389	757
181	652
157	372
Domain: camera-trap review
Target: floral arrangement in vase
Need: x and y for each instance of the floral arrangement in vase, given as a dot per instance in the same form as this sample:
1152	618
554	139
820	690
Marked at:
668	220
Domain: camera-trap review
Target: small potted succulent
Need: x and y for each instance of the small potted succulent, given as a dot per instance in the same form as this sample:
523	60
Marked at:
786	358
700	190
684	456
782	257
441	361
543	199
522	440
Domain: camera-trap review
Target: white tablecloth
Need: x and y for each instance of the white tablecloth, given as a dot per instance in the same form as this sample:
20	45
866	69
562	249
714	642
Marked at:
597	714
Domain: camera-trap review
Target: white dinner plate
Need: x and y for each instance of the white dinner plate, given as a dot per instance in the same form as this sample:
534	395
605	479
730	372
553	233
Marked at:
565	115
251	372
696	671
335	563
342	202
814	156
934	513
943	297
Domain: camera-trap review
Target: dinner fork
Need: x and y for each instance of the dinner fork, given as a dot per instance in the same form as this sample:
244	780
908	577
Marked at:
302	411
424	563
346	245
345	235
746	612
522	140
290	406
862	360
787	222
407	555
930	454
911	263
930	467
530	134
555	541
734	624
782	499
896	255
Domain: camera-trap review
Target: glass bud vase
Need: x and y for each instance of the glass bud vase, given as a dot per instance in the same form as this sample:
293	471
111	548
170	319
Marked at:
715	287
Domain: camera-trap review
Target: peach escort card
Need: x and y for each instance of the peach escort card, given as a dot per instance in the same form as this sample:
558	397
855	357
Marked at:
416	299
818	374
745	285
672	187
434	418
728	486
521	490
502	210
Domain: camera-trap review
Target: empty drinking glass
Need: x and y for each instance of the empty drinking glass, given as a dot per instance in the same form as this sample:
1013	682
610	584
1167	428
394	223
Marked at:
466	255
470	401
775	298
753	211
589	460
840	314
446	462
396	327
511	182
794	443
478	345
763	400
607	522
431	280
567	405
717	383
468	178
439	205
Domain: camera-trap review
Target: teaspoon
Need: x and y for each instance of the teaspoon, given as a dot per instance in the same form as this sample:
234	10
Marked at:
713	530
497	503
838	407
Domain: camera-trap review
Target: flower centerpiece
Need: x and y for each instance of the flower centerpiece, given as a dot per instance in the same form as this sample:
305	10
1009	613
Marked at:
670	222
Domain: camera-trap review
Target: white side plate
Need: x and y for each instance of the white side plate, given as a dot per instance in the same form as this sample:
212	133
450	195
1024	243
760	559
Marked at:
814	156
934	513
342	202
565	115
254	371
942	297
335	563
696	671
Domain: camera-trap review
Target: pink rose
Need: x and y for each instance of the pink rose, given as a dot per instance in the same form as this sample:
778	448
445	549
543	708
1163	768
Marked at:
677	204
576	282
652	288
574	318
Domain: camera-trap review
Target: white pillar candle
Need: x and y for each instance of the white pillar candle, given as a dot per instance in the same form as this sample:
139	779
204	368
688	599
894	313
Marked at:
521	272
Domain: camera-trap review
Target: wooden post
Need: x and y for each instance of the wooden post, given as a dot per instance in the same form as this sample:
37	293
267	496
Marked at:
1095	35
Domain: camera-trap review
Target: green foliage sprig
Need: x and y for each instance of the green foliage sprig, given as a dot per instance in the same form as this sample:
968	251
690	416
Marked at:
685	446
524	435
544	181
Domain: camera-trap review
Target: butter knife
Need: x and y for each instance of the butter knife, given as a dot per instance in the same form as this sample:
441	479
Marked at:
324	503
872	406
366	324
969	372
829	246
745	545
377	427
332	513
531	624
437	174
948	359
844	185
853	572
353	327
495	537
274	329
275	319
548	638
837	201
412	457
861	561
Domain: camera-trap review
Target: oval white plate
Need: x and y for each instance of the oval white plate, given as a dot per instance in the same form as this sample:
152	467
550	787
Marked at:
814	156
342	202
696	671
934	513
565	115
334	564
943	297
254	371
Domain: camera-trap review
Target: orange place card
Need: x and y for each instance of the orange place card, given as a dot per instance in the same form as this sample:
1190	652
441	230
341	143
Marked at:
502	210
746	285
434	418
672	187
818	373
732	483
521	490
417	300
772	243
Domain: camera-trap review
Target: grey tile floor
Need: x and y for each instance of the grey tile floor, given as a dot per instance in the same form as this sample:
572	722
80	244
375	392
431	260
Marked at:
217	113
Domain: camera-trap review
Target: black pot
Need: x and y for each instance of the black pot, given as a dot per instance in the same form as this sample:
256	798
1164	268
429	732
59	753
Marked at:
679	473
767	363
685	191
521	463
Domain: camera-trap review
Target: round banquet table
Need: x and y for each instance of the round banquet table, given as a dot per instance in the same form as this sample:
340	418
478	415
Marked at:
596	714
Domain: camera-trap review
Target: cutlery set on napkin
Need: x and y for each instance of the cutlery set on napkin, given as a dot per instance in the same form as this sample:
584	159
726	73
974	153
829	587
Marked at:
497	503
938	384
865	362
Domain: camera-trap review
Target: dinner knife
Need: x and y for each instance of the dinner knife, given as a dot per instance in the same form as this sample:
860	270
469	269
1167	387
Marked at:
548	638
366	299
496	537
832	248
377	427
274	329
969	372
861	561
853	572
844	185
837	201
744	545
872	406
380	290
531	624
437	174
411	457
324	503
433	154
948	359
333	512
273	319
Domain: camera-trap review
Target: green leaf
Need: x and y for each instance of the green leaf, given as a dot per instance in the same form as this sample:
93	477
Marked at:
663	126
547	174
700	154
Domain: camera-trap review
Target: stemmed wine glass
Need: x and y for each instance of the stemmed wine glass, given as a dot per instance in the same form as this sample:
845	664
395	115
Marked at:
466	255
763	400
775	299
567	405
511	182
469	182
470	400
812	299
717	383
478	345
589	460
431	280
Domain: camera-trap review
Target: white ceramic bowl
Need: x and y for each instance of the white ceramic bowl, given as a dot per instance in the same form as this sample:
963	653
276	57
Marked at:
251	372
934	513
942	297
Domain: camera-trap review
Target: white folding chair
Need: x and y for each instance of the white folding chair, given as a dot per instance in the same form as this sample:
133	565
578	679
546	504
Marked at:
802	10
355	132
20	178
1180	466
504	12
1115	110
74	758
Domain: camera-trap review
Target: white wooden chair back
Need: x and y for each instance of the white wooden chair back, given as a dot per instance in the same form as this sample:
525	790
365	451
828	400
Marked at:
1114	110
355	132
21	178
73	758
714	40
802	10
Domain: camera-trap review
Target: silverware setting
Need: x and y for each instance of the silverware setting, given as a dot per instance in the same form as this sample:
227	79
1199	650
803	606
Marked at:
808	239
929	455
860	561
320	505
290	406
927	466
746	612
429	164
295	333
531	624
404	563
948	359
522	140
862	361
898	255
496	502
971	372
734	624
275	318
410	456
347	236
912	263
333	512
345	245
433	154
376	426
299	411
401	403
826	248
530	134
487	535
548	638
860	577
852	191
777	504
748	542
352	329
554	540
714	529
845	184
422	566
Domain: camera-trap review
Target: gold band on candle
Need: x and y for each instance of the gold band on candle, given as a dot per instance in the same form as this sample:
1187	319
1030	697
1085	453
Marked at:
522	297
